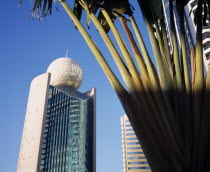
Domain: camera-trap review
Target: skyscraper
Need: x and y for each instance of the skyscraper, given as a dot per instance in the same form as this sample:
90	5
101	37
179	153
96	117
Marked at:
190	9
134	159
190	31
59	128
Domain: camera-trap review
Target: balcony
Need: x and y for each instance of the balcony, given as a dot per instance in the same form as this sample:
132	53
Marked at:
206	41
207	49
206	31
208	56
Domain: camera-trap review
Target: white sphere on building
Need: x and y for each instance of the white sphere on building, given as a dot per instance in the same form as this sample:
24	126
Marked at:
65	72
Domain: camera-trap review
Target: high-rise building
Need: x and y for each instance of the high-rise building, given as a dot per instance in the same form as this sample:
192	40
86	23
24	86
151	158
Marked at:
134	159
190	9
59	129
190	31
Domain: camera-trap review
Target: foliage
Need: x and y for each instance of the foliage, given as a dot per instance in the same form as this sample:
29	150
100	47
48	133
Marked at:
168	111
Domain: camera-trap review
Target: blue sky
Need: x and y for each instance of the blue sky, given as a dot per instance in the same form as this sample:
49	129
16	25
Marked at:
27	47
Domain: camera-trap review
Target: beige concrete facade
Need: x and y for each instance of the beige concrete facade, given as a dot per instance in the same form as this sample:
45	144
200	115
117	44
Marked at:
33	126
134	159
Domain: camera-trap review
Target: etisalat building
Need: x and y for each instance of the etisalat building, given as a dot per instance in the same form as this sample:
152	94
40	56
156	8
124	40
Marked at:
59	129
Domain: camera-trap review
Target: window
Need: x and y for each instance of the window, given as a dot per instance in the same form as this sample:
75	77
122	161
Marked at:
131	153
137	157
63	129
133	143
130	148
132	138
129	129
145	162
130	134
136	168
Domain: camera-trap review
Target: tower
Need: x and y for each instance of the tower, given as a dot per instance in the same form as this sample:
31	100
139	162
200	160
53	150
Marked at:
59	128
190	10
133	155
190	31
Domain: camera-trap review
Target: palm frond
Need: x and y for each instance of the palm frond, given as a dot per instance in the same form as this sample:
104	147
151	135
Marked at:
77	10
169	113
41	8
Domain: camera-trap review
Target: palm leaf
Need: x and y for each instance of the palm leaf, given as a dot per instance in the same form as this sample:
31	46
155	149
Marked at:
44	7
77	10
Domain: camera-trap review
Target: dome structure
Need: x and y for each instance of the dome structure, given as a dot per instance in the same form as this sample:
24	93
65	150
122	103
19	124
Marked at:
65	72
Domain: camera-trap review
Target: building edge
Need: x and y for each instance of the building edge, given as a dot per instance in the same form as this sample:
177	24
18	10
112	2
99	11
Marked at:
92	93
29	155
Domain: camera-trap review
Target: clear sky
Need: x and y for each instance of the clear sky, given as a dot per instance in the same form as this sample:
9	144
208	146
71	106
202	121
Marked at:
27	47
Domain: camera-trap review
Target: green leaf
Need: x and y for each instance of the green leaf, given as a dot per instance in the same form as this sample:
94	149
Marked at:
153	8
77	10
49	9
44	8
122	7
103	22
41	6
88	21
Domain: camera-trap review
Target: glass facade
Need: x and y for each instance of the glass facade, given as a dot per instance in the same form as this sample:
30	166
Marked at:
68	135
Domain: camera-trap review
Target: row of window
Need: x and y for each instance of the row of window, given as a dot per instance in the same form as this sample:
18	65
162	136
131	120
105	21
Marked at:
137	157
62	143
130	148
145	162
136	168
130	134
130	129
132	153
132	143
131	138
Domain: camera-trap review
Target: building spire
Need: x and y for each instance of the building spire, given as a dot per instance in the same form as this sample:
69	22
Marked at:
67	50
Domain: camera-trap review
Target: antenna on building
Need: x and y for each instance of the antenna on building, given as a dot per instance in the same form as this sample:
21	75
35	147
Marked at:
67	50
